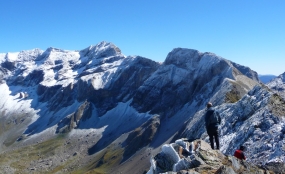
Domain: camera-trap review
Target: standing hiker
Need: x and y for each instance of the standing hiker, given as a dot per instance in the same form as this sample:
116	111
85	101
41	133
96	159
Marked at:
212	121
239	153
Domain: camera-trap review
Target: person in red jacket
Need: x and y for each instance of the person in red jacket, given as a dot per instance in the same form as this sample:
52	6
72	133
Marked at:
239	153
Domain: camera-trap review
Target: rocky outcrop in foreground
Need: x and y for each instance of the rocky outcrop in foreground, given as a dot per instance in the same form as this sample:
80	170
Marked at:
202	159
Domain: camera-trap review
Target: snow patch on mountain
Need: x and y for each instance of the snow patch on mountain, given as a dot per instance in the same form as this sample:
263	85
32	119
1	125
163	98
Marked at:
11	57
13	100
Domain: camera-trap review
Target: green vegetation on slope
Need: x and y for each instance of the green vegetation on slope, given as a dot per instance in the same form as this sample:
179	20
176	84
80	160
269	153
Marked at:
22	158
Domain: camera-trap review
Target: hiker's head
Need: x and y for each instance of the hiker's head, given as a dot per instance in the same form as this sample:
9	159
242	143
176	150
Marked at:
209	104
242	147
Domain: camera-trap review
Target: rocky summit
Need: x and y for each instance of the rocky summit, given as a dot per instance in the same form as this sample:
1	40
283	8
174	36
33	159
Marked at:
98	111
203	159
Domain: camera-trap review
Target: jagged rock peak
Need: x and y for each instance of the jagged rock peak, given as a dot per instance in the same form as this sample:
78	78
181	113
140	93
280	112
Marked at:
101	50
191	58
179	56
50	49
30	55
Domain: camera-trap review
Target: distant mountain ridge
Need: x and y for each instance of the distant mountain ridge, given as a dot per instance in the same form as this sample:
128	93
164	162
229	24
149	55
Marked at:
266	78
110	110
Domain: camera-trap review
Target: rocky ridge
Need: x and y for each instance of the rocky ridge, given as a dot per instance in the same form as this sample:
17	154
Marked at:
205	160
278	85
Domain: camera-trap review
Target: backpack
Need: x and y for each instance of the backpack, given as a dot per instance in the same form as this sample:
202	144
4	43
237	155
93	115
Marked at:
212	117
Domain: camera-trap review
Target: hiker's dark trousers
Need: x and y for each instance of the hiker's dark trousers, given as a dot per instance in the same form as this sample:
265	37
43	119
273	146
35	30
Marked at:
213	133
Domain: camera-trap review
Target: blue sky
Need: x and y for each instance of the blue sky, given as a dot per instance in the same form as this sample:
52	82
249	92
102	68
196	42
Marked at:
250	33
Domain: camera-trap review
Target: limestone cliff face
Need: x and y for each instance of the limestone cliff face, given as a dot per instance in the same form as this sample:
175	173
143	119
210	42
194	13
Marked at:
141	136
73	120
122	85
188	76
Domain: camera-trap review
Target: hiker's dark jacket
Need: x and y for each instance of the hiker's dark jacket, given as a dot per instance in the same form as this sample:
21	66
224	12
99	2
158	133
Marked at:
212	119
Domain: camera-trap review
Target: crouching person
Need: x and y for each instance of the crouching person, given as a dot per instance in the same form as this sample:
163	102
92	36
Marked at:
186	151
183	147
239	153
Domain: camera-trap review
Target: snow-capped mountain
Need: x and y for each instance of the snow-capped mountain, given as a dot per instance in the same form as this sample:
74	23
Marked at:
112	109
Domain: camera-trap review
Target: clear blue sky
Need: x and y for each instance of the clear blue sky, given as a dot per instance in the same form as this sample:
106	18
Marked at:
248	32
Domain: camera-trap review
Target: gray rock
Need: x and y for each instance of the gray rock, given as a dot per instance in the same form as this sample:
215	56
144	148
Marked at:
225	170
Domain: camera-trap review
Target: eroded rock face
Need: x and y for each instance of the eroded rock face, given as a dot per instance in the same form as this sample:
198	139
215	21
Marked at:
46	93
72	121
64	96
141	136
278	85
34	78
3	73
188	76
9	65
124	84
246	71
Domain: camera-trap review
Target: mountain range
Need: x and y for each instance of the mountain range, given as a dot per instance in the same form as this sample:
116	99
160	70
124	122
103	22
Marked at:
99	111
266	78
